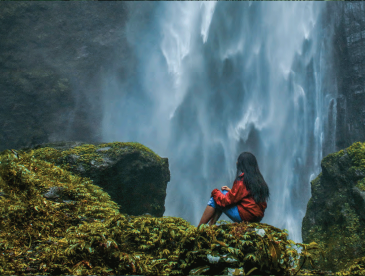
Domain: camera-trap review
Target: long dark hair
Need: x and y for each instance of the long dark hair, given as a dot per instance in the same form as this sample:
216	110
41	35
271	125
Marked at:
253	179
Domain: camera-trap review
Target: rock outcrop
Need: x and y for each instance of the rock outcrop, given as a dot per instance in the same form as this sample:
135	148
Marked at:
335	217
134	176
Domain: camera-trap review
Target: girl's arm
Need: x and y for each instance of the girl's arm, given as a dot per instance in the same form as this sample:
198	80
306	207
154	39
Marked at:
237	193
226	188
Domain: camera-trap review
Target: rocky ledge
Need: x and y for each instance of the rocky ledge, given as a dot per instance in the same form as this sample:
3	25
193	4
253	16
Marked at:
133	175
335	217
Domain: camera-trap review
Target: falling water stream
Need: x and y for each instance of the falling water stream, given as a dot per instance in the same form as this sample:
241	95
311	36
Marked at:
215	79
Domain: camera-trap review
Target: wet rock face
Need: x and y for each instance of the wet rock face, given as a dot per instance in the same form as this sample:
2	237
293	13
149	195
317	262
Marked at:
133	176
335	216
349	71
53	59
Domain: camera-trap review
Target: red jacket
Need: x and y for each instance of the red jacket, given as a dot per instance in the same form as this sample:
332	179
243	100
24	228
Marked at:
248	209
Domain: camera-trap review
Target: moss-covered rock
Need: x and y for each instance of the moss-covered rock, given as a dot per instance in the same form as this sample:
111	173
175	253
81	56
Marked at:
357	267
55	222
133	175
335	217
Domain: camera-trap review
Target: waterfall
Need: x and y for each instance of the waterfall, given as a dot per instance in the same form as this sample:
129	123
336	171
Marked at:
214	79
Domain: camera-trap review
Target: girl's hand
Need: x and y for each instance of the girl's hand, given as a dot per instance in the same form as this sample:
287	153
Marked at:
226	188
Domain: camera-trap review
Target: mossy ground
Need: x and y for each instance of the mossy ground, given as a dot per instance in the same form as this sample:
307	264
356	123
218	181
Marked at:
82	232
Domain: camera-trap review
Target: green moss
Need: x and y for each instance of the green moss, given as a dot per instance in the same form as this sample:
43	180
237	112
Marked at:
37	221
339	241
119	147
315	182
357	153
87	153
331	159
338	229
82	232
339	154
361	184
357	267
50	154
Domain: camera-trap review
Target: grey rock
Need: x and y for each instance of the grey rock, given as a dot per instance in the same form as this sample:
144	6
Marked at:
359	192
260	232
103	149
213	260
54	192
135	179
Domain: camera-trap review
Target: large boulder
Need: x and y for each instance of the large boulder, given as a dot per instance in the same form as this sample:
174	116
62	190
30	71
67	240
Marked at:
335	217
133	175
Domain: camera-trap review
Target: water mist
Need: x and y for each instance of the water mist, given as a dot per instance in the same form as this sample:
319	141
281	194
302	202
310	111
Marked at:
213	79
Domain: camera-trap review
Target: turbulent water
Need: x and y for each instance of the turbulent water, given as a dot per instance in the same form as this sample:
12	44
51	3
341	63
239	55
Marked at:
215	79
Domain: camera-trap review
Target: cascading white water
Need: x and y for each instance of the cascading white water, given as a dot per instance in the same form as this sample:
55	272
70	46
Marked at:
214	79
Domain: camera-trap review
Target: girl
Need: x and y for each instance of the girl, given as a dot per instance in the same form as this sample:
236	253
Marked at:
246	201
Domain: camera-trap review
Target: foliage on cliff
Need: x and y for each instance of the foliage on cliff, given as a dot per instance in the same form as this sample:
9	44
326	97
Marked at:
335	217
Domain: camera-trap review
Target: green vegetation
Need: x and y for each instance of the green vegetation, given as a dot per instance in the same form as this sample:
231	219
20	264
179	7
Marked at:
80	230
357	153
117	147
316	182
333	218
356	268
87	155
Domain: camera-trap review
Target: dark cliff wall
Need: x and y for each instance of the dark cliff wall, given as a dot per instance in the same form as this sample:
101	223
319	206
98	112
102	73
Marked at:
53	56
329	82
349	61
52	59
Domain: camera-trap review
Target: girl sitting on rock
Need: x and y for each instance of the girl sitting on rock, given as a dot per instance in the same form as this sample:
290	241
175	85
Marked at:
246	201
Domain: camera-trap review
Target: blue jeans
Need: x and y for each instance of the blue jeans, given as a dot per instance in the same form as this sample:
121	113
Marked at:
230	211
